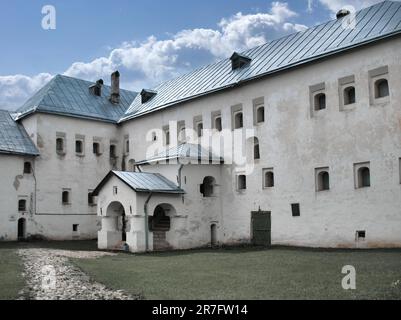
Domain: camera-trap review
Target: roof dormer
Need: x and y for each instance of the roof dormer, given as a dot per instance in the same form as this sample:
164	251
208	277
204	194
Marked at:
147	94
96	89
239	61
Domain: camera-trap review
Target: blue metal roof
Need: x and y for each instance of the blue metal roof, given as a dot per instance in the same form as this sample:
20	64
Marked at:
142	182
191	153
373	23
13	137
70	96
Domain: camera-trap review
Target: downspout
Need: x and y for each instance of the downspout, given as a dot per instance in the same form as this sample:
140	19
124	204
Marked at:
145	207
35	183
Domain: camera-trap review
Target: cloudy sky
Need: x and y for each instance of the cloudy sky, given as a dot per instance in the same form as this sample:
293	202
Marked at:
147	41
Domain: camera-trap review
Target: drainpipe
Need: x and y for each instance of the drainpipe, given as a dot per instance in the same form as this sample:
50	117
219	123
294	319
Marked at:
179	175
145	207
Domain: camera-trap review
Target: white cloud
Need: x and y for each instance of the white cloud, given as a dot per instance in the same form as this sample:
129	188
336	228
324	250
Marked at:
147	63
15	89
335	5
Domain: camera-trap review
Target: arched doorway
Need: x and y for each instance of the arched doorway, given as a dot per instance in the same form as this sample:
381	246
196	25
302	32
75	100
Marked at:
116	210
21	229
160	224
213	235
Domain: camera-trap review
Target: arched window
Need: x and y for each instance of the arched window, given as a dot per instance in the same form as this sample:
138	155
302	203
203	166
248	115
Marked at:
269	179
27	167
320	101
260	114
207	187
256	149
21	205
363	177
349	95
238	120
323	181
381	88
65	197
60	145
167	136
199	129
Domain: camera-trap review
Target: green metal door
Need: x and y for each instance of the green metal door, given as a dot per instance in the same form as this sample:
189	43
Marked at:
261	228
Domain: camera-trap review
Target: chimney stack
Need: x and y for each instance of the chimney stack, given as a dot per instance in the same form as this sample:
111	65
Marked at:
115	88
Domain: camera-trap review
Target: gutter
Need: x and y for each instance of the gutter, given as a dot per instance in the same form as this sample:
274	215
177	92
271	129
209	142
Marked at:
145	207
179	175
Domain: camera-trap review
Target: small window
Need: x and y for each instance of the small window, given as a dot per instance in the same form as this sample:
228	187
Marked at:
27	167
154	136
96	148
256	149
238	120
199	129
75	227
59	145
79	147
268	178
115	190
260	114
65	197
320	101
381	88
182	135
167	135
113	153
22	205
217	124
349	95
322	179
126	146
363	177
241	182
361	235
296	212
207	187
91	198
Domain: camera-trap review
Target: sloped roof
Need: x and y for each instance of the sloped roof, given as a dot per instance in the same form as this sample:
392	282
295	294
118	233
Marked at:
13	137
373	23
186	151
142	182
70	96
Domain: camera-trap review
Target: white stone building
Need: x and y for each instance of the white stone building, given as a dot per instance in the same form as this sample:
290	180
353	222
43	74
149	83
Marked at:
319	113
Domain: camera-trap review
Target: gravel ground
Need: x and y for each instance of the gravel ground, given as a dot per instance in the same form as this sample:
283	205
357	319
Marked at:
49	275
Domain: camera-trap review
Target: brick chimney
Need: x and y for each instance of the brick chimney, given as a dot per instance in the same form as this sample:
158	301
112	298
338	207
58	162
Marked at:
115	88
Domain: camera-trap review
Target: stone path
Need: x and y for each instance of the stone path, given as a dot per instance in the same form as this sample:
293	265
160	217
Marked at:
49	275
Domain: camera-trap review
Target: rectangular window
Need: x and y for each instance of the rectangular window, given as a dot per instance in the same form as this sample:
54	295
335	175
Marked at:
60	143
22	205
79	145
347	93
75	227
113	153
115	190
296	212
241	182
361	235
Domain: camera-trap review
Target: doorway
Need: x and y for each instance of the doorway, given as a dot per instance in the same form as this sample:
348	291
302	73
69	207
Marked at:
213	235
261	228
21	229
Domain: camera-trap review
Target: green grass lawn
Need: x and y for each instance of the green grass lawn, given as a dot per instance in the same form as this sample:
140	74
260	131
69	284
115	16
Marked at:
278	273
11	281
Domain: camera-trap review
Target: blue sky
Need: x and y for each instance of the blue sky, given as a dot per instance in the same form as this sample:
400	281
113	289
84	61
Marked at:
147	41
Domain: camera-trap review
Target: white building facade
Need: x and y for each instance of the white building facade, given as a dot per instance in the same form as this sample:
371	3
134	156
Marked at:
318	114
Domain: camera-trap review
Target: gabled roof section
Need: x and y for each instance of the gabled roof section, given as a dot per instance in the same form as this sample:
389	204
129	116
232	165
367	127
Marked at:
142	182
13	137
190	153
239	61
71	97
377	22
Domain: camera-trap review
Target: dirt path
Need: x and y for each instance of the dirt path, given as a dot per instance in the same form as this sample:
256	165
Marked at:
49	275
